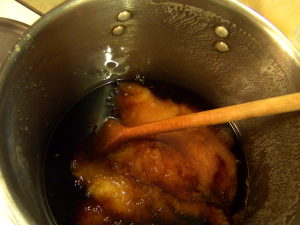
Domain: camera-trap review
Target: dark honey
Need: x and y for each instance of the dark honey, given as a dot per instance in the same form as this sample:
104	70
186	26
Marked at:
65	194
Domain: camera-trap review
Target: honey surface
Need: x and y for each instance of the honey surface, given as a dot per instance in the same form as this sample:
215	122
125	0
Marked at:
173	178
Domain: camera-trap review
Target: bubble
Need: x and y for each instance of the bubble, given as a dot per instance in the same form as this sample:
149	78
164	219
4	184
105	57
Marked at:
87	208
73	164
97	209
78	183
106	219
110	104
115	167
120	222
139	78
17	47
238	162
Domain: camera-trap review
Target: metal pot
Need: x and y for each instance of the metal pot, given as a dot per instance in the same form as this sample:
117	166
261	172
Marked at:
83	44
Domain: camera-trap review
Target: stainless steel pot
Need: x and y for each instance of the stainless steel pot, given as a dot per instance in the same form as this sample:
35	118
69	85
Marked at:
83	44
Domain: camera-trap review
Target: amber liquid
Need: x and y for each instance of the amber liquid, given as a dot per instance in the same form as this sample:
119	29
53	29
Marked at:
64	193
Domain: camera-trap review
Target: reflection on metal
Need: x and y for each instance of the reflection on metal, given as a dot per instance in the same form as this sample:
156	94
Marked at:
113	67
124	16
221	46
118	30
221	32
282	43
109	57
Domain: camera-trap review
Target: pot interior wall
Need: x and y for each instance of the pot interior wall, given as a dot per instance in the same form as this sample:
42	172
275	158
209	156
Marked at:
71	51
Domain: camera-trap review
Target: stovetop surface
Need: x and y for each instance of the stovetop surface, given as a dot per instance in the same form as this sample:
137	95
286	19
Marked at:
10	31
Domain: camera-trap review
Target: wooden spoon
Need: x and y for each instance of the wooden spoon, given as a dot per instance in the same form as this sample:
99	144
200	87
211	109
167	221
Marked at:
113	133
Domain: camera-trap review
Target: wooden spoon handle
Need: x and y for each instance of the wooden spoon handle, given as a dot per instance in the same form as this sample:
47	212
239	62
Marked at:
270	106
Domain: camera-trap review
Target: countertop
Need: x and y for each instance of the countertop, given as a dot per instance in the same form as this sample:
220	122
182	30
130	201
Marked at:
42	5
